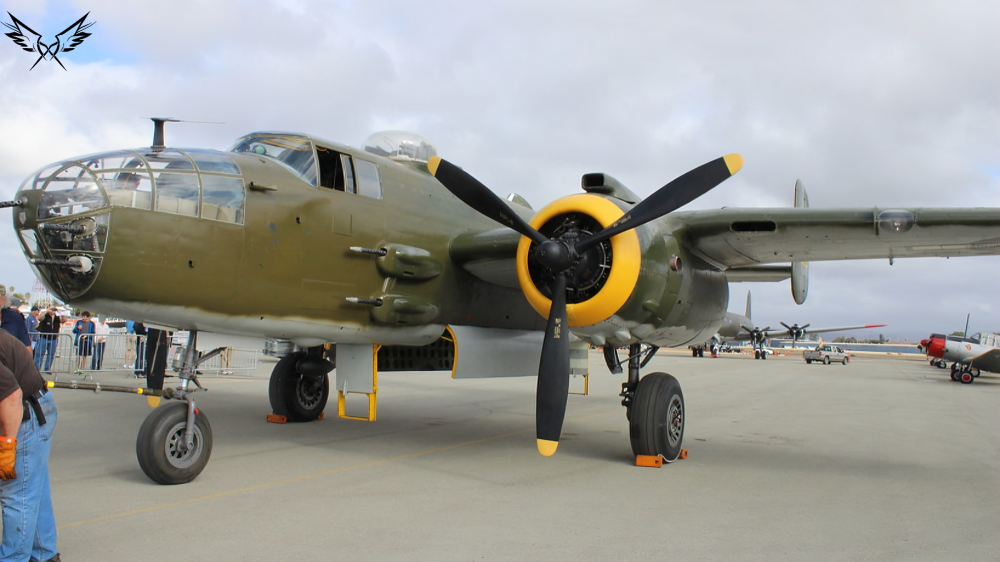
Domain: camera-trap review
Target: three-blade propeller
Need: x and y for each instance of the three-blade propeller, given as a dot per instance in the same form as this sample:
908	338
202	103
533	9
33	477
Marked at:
560	257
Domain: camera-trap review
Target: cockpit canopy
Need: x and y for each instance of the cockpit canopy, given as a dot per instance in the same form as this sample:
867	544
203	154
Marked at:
400	145
292	151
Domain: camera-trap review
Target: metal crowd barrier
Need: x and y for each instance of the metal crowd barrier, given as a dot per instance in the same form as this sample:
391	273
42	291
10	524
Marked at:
125	353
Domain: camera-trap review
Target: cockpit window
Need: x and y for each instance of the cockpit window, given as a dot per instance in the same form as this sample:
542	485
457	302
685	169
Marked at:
213	162
293	152
168	160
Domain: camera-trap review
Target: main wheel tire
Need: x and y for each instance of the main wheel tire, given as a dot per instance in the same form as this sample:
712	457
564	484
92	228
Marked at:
756	354
763	355
826	360
298	397
159	445
656	426
966	377
954	376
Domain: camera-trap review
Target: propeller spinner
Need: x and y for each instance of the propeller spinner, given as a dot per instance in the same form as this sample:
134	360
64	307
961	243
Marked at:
561	256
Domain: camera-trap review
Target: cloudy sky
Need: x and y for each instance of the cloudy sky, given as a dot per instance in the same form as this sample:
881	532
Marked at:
887	104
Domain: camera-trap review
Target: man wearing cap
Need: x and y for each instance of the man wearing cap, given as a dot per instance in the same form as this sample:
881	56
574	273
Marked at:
27	418
31	321
11	319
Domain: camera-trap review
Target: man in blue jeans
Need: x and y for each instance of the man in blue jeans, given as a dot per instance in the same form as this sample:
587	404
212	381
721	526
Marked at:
48	339
27	418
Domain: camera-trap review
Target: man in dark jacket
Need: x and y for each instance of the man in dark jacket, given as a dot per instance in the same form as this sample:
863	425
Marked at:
48	339
27	418
12	320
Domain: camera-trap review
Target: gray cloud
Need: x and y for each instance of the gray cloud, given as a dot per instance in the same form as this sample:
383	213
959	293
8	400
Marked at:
889	104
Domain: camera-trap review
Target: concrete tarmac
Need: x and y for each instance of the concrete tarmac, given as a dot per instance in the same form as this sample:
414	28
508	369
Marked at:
882	459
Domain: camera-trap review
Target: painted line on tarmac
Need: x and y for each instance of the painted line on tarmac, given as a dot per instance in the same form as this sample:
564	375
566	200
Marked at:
311	476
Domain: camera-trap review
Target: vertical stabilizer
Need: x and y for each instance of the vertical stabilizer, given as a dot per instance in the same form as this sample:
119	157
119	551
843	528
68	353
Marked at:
800	270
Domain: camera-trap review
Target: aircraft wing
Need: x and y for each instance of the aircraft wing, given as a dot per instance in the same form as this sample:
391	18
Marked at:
740	238
811	330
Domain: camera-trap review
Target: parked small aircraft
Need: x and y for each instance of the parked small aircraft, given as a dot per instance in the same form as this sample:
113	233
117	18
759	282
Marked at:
376	250
740	327
968	356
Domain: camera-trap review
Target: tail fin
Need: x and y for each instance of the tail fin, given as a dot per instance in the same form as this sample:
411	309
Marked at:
800	270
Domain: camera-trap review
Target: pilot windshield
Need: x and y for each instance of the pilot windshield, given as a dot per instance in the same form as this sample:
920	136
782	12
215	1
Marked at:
293	152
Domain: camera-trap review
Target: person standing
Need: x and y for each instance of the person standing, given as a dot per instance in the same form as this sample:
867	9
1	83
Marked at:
12	320
157	346
31	321
84	341
101	331
140	349
48	339
129	344
27	420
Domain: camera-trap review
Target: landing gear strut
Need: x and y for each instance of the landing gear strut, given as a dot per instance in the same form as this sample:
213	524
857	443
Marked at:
175	441
654	406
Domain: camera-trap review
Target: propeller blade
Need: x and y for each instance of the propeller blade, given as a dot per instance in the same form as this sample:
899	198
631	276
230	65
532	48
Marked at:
806	326
785	325
476	195
669	198
553	373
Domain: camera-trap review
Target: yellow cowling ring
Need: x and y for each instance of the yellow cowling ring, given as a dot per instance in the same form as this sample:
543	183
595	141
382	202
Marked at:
624	268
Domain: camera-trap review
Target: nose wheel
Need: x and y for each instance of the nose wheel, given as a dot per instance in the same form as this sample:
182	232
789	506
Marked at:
166	454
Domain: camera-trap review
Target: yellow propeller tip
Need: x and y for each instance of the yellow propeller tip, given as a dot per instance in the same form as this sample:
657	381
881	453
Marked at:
432	164
153	401
734	162
547	448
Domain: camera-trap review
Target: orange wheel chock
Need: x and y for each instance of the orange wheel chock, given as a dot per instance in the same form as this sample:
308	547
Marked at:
655	461
275	418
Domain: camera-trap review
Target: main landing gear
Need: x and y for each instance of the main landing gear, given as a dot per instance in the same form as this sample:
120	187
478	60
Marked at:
964	374
654	406
300	385
175	441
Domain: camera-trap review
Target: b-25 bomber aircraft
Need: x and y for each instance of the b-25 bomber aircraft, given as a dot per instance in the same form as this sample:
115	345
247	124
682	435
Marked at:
395	255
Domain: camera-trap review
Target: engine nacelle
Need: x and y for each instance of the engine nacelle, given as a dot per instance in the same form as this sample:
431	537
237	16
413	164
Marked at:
640	286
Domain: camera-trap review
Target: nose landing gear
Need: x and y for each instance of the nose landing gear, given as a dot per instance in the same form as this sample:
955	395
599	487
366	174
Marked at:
175	441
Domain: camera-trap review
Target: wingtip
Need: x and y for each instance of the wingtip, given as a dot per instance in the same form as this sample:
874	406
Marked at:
547	448
734	162
432	164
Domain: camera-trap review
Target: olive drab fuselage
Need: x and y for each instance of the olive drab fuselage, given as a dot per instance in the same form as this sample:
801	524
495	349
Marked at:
256	247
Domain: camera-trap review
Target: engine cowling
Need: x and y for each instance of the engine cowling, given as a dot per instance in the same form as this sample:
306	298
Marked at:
638	286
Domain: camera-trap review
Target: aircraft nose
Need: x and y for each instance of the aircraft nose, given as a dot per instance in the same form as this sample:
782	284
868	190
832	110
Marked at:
935	348
61	216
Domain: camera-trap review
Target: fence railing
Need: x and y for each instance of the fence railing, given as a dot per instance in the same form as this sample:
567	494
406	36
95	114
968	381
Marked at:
124	353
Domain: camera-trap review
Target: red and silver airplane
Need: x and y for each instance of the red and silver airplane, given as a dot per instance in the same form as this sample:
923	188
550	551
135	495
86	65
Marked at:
968	356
